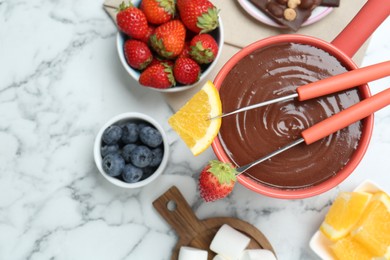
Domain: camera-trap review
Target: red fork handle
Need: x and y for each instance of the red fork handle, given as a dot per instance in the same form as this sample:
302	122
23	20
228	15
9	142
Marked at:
344	81
346	117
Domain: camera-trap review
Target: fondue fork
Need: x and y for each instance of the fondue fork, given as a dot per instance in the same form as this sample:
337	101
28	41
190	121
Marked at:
332	124
326	86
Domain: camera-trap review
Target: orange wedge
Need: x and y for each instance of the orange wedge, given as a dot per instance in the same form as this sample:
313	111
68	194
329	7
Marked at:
192	122
344	214
348	249
373	229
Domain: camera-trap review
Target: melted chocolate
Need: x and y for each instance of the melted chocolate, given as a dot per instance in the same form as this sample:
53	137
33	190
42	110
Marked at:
274	72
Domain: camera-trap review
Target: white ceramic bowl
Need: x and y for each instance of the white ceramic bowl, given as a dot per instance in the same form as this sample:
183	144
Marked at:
217	34
130	117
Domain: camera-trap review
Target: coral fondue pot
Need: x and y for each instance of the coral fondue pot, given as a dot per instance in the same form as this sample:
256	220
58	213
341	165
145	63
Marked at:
275	67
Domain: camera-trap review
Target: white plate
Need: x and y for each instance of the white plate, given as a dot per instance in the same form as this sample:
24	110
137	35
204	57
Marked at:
317	14
319	243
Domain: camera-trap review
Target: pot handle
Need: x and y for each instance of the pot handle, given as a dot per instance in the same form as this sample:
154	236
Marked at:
352	37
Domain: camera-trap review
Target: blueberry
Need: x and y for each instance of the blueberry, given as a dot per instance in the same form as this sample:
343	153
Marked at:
142	125
113	164
148	171
157	154
130	133
107	149
141	156
126	151
112	134
150	136
131	173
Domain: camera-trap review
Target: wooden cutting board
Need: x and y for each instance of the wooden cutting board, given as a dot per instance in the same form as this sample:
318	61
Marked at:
199	233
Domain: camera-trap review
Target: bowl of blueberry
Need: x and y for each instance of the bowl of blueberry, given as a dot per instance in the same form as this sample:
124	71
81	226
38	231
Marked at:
131	150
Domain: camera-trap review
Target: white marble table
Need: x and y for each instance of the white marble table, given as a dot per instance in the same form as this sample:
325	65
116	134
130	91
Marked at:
60	80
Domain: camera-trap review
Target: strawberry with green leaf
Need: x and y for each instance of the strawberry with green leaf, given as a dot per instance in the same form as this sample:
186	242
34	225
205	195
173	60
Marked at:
158	76
138	54
158	11
168	39
203	48
199	16
132	21
217	180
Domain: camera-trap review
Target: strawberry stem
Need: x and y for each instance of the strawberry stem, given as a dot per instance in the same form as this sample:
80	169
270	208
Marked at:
123	6
168	5
224	172
208	21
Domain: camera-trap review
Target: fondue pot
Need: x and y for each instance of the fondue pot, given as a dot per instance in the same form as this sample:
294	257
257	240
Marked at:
343	47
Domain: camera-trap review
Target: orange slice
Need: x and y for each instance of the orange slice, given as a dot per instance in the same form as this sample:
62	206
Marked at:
373	229
348	249
344	214
192	122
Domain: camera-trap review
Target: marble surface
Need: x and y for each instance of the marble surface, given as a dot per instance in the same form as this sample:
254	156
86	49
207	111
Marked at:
60	81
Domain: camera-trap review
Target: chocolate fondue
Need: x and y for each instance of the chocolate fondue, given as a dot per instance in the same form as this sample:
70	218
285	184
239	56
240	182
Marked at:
273	72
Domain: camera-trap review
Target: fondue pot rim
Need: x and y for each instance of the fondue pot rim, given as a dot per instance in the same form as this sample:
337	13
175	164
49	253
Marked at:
367	123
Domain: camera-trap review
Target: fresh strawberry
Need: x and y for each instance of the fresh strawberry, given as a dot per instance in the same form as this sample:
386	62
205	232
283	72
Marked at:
204	48
132	21
148	34
159	61
168	39
216	180
185	53
138	54
186	71
157	76
158	11
199	16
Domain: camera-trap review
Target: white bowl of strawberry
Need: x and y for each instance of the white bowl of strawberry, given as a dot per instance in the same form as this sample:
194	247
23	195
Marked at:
169	45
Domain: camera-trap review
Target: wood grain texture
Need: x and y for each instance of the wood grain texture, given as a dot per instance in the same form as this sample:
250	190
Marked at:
199	233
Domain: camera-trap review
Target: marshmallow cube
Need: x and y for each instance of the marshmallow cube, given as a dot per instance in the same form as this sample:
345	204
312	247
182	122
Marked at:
219	257
229	242
257	254
191	253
